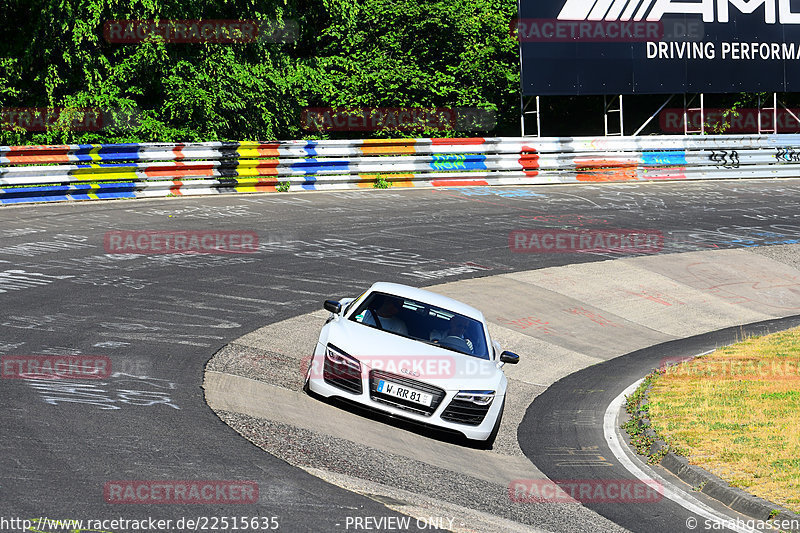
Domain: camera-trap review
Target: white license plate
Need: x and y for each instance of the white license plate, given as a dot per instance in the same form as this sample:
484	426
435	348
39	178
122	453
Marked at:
405	393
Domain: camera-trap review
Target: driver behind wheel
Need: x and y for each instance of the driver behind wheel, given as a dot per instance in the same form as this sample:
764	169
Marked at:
457	328
386	313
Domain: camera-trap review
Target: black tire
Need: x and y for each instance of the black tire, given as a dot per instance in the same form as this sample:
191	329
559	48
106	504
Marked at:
489	442
306	387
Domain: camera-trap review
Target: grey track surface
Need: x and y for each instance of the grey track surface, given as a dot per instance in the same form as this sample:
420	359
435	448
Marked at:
551	418
160	318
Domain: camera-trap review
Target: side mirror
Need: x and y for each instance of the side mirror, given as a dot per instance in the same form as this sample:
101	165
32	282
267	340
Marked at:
333	306
509	357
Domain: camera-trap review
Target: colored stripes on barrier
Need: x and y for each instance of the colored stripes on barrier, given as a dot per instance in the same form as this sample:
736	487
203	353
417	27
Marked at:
82	172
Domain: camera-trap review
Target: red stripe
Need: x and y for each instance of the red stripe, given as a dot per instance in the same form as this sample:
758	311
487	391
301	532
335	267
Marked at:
529	161
201	168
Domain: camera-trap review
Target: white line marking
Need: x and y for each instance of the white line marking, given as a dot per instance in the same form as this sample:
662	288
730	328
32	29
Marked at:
576	9
685	500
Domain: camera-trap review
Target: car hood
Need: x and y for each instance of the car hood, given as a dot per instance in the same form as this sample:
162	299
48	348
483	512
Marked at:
380	350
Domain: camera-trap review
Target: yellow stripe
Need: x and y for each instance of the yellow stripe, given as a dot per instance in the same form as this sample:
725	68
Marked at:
96	172
248	152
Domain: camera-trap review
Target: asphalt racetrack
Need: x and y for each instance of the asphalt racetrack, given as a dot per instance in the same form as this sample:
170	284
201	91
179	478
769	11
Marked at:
159	318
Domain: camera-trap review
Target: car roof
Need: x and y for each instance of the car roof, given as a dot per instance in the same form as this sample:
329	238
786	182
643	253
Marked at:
427	297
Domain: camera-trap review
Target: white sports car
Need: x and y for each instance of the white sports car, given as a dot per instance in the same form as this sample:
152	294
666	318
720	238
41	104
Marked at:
413	354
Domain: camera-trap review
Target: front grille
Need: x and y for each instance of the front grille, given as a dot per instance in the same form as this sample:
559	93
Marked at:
342	376
376	375
464	412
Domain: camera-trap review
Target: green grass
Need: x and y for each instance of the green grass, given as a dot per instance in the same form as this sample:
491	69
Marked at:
736	413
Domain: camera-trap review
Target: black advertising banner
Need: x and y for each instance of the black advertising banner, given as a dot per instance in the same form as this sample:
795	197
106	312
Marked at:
585	47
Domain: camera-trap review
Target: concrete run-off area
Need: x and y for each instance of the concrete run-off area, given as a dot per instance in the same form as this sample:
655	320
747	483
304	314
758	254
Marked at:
560	320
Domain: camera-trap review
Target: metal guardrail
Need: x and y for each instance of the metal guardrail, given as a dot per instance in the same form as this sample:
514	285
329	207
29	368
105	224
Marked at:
82	172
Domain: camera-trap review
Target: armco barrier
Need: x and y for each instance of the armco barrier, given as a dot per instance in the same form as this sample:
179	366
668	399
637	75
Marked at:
81	172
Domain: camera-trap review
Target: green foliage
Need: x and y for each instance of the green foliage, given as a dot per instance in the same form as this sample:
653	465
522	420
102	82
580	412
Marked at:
381	183
283	186
723	124
377	53
641	433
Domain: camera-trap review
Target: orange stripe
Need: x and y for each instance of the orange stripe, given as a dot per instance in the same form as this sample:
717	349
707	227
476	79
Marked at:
38	154
266	185
270	171
393	148
628	174
368	180
268	150
20	159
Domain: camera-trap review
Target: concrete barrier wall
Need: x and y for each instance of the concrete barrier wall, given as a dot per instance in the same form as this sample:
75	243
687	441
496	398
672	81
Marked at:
83	172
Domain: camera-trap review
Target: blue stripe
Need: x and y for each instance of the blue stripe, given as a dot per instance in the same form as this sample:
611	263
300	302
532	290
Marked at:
125	148
128	194
459	162
29	199
312	166
37	188
677	157
311	148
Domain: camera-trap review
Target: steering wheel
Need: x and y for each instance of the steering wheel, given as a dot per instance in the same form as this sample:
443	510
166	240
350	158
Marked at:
456	343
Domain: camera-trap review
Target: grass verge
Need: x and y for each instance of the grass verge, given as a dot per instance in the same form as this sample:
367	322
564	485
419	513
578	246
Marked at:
736	413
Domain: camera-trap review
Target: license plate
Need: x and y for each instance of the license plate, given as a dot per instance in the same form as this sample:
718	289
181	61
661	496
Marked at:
405	393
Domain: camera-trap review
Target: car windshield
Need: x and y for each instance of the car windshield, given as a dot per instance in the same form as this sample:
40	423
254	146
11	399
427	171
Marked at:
423	322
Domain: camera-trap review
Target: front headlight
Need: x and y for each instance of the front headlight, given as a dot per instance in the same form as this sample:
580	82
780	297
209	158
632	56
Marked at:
338	357
478	397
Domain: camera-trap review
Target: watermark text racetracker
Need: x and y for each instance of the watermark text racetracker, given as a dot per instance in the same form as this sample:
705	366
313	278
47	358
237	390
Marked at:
785	367
156	492
633	491
55	367
586	240
201	31
178	242
68	119
413	366
397	119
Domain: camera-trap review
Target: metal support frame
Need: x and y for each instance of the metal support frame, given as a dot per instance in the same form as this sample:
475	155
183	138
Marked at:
607	109
532	107
686	109
536	111
791	113
774	109
654	115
